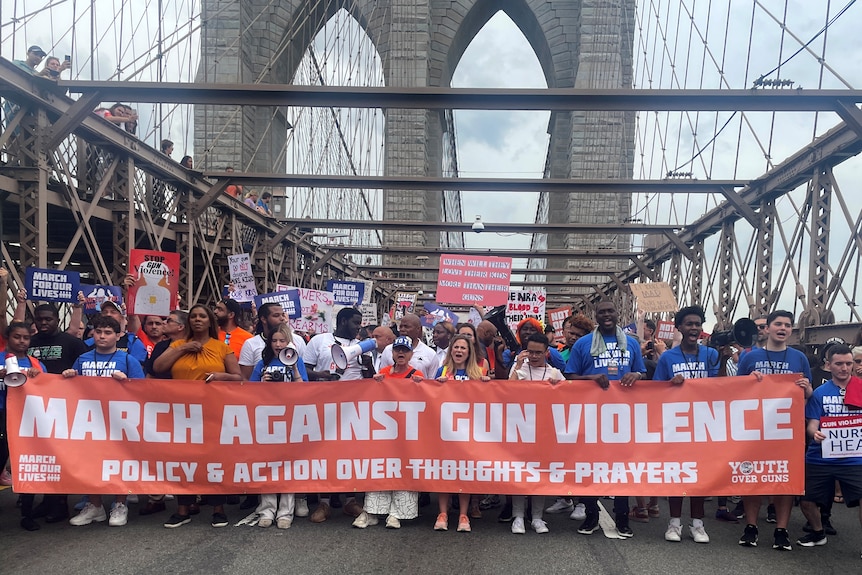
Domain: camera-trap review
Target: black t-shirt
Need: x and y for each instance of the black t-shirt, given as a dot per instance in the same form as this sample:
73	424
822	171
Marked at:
160	348
58	351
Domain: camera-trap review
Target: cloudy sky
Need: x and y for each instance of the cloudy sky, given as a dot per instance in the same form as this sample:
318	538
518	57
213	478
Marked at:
706	45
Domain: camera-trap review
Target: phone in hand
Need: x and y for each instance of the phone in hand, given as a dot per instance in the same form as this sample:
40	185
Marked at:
68	58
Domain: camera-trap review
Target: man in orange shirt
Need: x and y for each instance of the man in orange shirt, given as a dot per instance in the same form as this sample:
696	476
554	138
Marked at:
227	311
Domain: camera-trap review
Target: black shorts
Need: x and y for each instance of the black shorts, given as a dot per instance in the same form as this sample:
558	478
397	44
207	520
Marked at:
820	483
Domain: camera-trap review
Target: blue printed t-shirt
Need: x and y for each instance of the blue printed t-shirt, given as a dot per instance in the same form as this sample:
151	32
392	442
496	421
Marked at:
23	363
459	375
582	363
774	362
277	365
93	363
827	401
695	366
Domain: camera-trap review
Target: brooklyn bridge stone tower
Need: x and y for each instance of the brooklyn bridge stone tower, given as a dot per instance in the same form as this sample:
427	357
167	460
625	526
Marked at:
579	44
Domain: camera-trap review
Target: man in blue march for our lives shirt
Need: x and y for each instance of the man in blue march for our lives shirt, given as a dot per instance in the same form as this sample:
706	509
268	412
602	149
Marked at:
605	355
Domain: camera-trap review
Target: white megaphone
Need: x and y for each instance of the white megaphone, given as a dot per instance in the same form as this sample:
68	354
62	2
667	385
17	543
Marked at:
289	356
342	356
14	376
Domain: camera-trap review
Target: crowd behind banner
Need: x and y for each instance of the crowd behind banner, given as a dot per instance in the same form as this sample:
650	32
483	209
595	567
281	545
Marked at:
222	345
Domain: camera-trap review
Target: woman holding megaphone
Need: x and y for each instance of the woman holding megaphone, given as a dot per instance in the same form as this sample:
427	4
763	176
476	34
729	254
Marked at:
16	369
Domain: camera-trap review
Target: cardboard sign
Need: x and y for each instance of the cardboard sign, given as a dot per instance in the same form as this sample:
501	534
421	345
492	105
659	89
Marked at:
289	300
346	292
529	302
843	436
97	295
716	435
471	280
52	285
654	297
155	289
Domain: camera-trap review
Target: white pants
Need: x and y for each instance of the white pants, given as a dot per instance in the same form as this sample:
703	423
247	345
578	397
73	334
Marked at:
267	506
518	504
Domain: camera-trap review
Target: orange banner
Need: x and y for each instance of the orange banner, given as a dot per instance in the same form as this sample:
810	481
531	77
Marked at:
706	437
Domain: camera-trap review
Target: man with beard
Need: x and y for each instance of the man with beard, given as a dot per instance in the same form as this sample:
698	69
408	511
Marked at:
227	311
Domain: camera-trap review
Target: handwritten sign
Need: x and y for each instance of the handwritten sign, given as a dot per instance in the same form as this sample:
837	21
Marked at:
52	285
369	314
471	280
243	287
525	303
155	289
317	310
843	436
346	292
405	302
289	300
654	297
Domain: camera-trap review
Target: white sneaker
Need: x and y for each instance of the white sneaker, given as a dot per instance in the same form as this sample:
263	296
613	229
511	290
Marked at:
169	497
284	522
561	505
119	515
392	522
699	534
264	522
518	526
89	514
673	533
540	526
365	520
301	507
133	499
580	512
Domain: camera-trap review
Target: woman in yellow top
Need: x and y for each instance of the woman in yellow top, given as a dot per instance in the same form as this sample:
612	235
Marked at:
201	355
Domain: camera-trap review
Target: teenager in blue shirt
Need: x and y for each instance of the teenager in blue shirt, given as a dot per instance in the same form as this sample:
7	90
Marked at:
689	360
605	355
775	357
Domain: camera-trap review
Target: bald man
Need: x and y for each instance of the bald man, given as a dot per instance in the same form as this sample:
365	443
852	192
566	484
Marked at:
424	358
494	346
384	336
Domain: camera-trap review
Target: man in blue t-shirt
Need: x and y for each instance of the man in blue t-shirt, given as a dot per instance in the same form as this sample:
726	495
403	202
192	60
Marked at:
605	355
774	358
822	473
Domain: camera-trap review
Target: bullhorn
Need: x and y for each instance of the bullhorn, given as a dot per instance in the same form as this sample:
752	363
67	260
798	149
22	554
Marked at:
14	376
744	332
497	316
342	356
288	356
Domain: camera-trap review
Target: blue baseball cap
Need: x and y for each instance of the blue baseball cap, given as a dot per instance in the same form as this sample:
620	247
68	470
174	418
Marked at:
402	341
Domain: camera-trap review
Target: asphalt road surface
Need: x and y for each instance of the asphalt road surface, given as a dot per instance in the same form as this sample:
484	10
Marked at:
144	546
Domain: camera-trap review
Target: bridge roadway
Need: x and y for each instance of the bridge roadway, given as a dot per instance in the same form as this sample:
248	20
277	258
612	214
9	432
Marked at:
144	547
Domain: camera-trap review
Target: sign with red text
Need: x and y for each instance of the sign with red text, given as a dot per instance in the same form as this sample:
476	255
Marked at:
242	284
557	317
524	303
471	280
843	436
155	289
317	310
708	437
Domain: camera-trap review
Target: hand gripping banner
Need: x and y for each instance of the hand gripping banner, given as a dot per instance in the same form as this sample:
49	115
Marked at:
715	436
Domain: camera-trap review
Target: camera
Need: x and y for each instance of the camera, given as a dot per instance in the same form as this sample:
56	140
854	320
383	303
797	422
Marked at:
276	375
743	333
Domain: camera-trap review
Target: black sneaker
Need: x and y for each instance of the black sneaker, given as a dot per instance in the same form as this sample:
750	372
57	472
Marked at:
739	511
590	524
249	502
506	513
29	524
749	537
827	526
177	520
219	520
623	528
782	540
813	539
770	513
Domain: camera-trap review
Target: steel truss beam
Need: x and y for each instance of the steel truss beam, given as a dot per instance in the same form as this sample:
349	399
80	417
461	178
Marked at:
490	227
505	253
554	99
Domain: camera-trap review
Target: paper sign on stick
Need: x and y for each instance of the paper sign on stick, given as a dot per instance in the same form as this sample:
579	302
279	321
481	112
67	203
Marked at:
654	297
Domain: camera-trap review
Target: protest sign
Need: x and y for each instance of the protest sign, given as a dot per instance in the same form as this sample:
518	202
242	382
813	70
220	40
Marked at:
557	317
243	287
317	310
528	302
654	297
665	330
346	292
289	300
471	280
716	435
843	436
52	285
95	296
405	303
434	314
155	289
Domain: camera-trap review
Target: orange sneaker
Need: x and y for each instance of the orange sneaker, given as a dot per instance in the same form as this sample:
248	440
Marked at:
463	524
442	523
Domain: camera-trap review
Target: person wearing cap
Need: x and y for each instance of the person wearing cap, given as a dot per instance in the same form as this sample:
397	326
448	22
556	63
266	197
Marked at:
34	58
227	311
128	342
395	505
424	358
